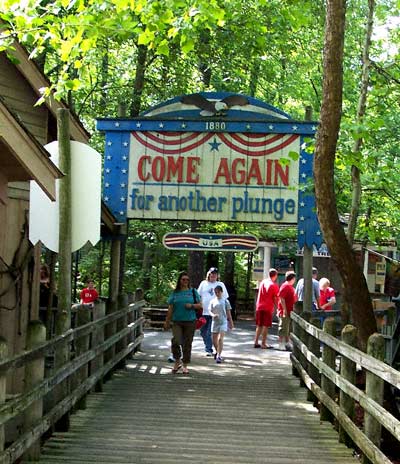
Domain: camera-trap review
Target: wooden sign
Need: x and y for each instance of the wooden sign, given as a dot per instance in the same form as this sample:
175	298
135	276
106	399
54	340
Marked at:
210	242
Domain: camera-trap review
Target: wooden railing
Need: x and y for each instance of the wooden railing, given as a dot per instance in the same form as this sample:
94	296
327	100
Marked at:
316	356
77	361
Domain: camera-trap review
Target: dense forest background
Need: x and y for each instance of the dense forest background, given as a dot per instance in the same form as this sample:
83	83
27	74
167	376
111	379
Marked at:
119	57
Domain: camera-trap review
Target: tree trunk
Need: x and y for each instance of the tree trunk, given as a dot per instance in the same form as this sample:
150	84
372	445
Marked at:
355	286
362	103
139	81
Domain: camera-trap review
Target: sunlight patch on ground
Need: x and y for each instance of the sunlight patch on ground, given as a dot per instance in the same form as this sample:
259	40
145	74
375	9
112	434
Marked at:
305	406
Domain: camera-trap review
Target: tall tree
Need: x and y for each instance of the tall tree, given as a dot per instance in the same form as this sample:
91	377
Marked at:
355	286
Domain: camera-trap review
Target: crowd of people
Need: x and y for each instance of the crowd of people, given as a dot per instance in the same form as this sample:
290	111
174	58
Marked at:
211	302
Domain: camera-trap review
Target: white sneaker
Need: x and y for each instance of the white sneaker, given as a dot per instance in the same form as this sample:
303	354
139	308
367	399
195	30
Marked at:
281	347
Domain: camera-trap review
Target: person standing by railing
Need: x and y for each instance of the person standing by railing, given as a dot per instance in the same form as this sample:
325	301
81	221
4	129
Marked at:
181	316
287	298
89	294
315	291
327	297
267	300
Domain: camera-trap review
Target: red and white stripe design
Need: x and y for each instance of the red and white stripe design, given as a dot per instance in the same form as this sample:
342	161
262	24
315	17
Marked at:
174	143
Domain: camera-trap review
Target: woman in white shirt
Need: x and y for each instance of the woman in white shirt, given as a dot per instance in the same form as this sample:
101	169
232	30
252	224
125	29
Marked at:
206	291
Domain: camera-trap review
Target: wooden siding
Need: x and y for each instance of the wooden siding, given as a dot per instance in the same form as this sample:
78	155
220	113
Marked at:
20	98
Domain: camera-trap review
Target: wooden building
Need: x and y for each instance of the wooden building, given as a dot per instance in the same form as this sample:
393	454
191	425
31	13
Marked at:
24	129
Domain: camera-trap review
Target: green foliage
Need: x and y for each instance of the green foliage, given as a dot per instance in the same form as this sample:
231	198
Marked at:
269	49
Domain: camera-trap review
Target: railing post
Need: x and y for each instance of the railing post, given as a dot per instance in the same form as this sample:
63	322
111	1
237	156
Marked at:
34	374
3	385
121	325
328	358
374	389
139	296
99	311
314	347
348	372
83	316
62	357
110	330
306	315
296	350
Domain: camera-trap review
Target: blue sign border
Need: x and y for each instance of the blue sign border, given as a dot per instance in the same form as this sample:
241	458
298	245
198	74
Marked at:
118	135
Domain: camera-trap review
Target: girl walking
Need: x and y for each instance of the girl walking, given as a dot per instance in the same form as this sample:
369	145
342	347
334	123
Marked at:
220	310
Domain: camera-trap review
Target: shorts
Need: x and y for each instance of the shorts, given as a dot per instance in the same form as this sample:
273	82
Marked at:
284	326
264	318
219	327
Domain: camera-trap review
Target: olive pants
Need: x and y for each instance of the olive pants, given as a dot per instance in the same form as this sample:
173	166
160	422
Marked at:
182	338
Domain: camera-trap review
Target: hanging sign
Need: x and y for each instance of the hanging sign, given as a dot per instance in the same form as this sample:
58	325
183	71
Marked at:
210	242
212	157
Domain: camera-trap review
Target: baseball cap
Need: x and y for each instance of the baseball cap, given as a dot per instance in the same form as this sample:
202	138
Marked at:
213	269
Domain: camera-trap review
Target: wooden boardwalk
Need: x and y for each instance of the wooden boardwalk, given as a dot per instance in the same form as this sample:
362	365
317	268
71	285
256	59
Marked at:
250	409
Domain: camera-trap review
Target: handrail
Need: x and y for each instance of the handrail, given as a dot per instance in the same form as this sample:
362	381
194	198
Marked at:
72	334
103	344
382	370
306	361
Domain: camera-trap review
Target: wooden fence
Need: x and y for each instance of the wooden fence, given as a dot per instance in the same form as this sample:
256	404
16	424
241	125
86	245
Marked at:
77	361
330	376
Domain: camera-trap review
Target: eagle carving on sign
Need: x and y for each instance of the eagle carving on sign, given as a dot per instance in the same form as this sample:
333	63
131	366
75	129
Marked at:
214	107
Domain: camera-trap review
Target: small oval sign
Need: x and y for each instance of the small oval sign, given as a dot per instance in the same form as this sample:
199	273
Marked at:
207	242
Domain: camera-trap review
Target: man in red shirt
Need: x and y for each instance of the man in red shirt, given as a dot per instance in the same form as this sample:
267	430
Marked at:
267	300
89	294
287	298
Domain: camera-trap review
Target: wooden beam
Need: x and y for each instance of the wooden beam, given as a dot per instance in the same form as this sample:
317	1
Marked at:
37	80
29	153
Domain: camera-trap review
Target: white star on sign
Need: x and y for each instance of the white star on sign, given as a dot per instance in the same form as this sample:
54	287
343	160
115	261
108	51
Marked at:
109	143
303	161
125	144
121	213
302	232
122	198
123	171
301	218
294	128
109	157
183	125
107	184
270	127
314	128
138	124
117	124
304	175
248	127
108	171
106	198
123	185
318	232
302	204
125	158
161	125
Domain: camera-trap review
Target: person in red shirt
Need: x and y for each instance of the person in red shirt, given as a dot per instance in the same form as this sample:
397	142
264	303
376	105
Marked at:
287	298
267	300
89	294
327	296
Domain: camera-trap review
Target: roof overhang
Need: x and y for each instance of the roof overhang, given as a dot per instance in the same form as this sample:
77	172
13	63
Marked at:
37	80
22	157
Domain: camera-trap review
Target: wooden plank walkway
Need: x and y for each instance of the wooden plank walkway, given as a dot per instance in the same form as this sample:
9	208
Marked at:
250	409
